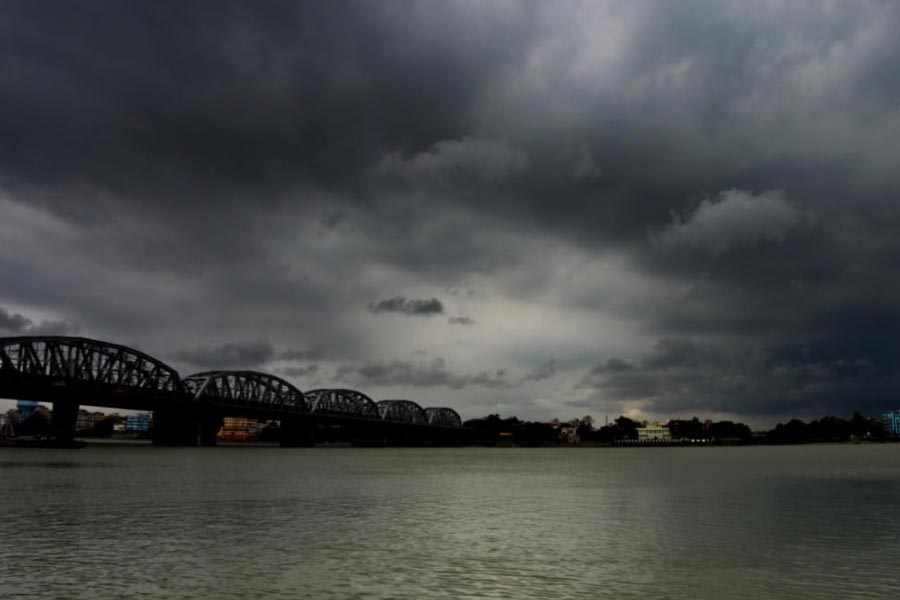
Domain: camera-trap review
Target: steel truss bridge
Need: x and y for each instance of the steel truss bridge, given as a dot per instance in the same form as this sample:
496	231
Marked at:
74	371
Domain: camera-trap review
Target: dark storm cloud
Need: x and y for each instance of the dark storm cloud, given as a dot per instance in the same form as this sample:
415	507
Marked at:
13	323
679	376
17	324
231	93
737	218
483	161
434	373
408	306
231	355
176	174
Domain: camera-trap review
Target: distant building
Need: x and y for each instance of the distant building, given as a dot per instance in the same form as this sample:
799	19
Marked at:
654	432
236	429
138	423
26	409
84	421
891	422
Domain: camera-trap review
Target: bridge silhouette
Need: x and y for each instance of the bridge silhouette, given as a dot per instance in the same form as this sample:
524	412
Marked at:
72	371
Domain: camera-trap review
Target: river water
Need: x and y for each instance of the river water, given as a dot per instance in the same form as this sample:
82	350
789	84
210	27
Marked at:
115	521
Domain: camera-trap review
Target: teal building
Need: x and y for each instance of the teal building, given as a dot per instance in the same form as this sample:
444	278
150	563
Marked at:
138	423
891	422
26	408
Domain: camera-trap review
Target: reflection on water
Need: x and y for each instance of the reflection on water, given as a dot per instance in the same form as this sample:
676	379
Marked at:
109	521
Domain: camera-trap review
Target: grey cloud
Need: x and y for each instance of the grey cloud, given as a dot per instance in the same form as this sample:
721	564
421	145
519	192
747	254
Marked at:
666	354
292	355
542	372
460	293
307	371
295	355
612	365
13	323
488	161
231	355
408	306
496	379
464	321
418	374
737	218
53	328
585	168
671	353
17	324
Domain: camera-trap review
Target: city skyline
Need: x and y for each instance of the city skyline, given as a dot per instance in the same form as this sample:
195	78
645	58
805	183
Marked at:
656	210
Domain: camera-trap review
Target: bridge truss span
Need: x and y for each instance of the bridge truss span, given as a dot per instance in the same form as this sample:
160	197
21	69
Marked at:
246	389
85	363
71	372
342	403
402	411
443	417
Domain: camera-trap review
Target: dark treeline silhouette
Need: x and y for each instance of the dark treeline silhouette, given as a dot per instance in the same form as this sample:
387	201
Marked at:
624	428
827	429
493	430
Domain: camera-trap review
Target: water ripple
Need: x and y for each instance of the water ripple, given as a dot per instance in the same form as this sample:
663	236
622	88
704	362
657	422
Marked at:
109	522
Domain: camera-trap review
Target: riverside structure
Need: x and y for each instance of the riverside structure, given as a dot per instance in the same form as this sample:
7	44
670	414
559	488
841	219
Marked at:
72	371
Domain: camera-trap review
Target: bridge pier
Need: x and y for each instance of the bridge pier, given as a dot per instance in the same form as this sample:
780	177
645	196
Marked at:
175	428
210	425
63	421
298	431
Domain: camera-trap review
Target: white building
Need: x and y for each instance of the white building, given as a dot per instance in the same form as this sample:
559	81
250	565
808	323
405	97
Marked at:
654	432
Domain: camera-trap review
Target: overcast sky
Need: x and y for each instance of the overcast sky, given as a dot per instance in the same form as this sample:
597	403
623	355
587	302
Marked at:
541	209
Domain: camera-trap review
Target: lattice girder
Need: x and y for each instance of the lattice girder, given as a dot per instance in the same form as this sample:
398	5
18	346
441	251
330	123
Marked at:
342	402
402	411
247	389
443	417
87	361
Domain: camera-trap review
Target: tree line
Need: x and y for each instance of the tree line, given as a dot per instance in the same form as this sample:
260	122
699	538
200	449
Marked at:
493	430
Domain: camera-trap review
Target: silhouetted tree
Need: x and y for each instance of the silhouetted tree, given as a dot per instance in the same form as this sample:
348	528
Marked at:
794	431
860	426
532	433
728	430
682	429
828	429
487	430
585	429
625	428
